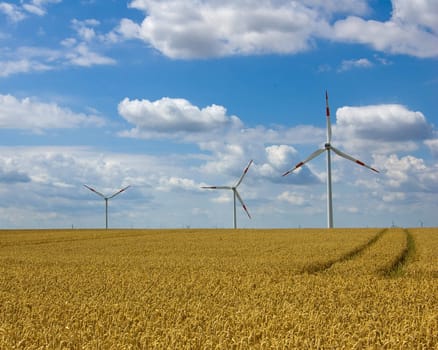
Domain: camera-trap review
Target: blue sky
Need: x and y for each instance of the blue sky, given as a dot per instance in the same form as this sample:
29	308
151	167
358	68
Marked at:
169	96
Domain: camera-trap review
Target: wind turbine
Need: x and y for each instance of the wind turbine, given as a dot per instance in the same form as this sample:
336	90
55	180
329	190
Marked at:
235	193
327	148
106	200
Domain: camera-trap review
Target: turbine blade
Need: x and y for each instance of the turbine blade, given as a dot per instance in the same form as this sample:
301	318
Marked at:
241	202
327	113
244	173
313	155
120	191
217	187
93	190
357	161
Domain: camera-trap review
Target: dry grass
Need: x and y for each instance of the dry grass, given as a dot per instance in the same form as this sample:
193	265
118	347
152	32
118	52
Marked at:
218	289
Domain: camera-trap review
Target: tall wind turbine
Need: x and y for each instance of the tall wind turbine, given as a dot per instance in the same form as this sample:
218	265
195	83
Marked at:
327	148
106	200
235	193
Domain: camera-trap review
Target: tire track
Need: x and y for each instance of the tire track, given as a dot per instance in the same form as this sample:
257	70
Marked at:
396	268
379	259
320	267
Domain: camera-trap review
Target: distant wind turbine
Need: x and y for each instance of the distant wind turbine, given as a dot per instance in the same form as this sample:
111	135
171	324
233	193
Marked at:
235	193
106	200
328	147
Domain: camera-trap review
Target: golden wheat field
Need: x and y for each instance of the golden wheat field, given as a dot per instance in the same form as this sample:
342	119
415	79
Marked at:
219	289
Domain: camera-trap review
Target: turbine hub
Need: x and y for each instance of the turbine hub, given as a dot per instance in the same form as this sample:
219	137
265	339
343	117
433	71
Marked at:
327	146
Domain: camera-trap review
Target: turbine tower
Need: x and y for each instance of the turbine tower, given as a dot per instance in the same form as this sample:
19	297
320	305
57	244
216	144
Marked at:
106	200
328	148
235	193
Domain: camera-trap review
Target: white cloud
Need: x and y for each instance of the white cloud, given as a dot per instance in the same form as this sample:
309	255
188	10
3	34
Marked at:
178	184
85	50
82	55
17	13
126	29
38	7
79	51
24	65
34	115
12	11
408	174
36	10
191	29
224	137
412	29
386	122
278	159
169	117
34	59
423	13
280	156
359	63
85	29
292	198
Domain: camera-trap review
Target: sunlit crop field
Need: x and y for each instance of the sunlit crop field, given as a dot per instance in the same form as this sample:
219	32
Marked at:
219	289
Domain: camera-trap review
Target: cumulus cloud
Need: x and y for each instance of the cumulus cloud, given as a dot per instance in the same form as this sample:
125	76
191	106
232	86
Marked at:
191	29
173	117
387	122
34	115
423	13
408	174
412	29
225	140
280	156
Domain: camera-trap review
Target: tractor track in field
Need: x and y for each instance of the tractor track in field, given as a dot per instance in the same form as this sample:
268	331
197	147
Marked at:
320	267
406	255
